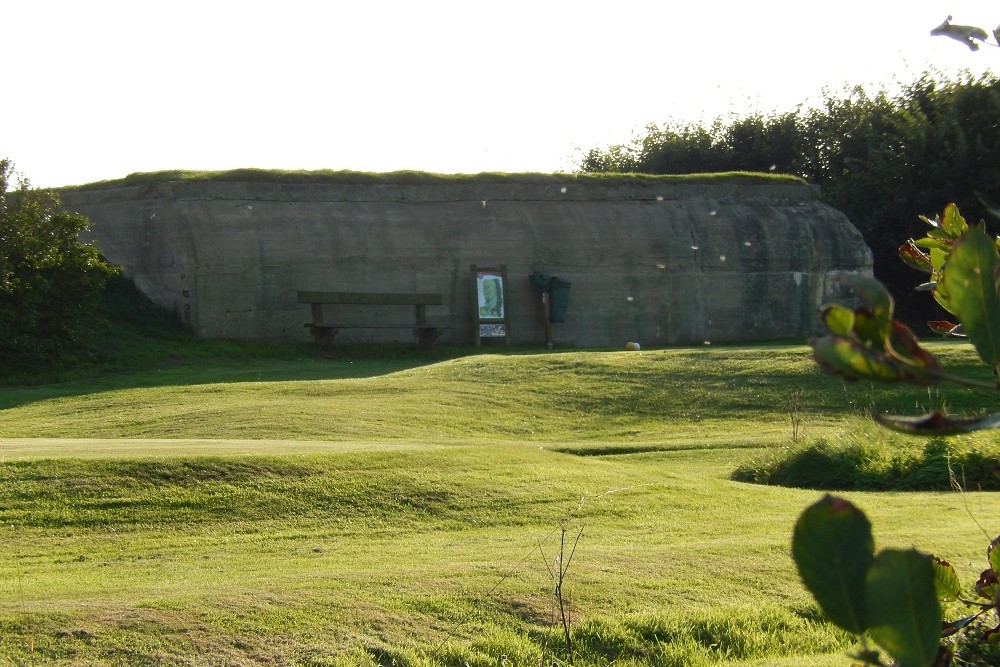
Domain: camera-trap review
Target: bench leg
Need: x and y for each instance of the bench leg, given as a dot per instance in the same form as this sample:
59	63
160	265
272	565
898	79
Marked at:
323	337
426	337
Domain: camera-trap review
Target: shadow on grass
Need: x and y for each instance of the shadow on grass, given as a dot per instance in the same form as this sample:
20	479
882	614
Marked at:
628	450
612	450
142	344
874	464
187	360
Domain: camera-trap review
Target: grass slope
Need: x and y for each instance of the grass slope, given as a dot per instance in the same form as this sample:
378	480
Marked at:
733	395
289	510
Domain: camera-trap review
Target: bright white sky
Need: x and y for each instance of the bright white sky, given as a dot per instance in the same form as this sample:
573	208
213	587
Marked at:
99	89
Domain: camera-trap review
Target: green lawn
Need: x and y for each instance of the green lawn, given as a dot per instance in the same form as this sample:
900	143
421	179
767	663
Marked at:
305	511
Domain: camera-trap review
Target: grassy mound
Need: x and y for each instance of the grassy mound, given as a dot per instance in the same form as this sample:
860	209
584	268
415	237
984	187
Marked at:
863	457
203	503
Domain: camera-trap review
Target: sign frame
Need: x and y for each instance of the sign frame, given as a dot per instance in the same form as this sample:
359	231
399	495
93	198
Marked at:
491	311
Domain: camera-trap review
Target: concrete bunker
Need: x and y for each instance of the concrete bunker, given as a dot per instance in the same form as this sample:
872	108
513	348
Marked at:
659	260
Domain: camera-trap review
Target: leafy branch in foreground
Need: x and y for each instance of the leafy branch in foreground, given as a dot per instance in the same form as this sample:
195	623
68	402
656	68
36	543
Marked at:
895	598
866	343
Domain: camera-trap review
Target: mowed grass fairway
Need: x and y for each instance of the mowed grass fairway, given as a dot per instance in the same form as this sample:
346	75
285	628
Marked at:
306	511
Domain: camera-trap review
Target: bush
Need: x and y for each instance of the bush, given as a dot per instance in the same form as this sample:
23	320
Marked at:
50	282
867	459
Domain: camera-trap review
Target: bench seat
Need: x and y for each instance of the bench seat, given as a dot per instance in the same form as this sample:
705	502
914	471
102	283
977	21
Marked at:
323	332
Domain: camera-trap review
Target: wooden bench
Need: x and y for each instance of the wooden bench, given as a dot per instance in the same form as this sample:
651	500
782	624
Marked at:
323	330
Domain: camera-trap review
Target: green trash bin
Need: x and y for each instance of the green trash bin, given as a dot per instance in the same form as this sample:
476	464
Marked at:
558	299
540	280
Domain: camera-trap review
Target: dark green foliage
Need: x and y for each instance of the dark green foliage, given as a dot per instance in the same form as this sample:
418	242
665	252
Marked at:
756	144
880	159
50	282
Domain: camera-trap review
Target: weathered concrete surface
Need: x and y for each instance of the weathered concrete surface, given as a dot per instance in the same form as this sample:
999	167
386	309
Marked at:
657	263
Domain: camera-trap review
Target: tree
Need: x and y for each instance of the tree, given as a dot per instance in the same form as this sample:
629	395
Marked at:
879	158
51	282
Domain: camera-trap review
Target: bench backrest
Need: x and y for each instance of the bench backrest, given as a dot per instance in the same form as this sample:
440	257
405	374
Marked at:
377	298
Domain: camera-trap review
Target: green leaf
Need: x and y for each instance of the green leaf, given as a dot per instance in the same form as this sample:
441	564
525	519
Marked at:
929	243
914	257
946	583
837	319
871	330
832	546
897	358
939	256
952	222
993	554
968	285
903	612
877	299
866	343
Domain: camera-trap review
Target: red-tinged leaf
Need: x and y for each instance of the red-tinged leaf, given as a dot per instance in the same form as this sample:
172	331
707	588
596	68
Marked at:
945	328
970	287
986	585
852	360
914	257
920	366
946	583
937	423
952	222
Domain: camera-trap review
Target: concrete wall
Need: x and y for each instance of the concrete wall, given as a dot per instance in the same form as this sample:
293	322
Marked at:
653	262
